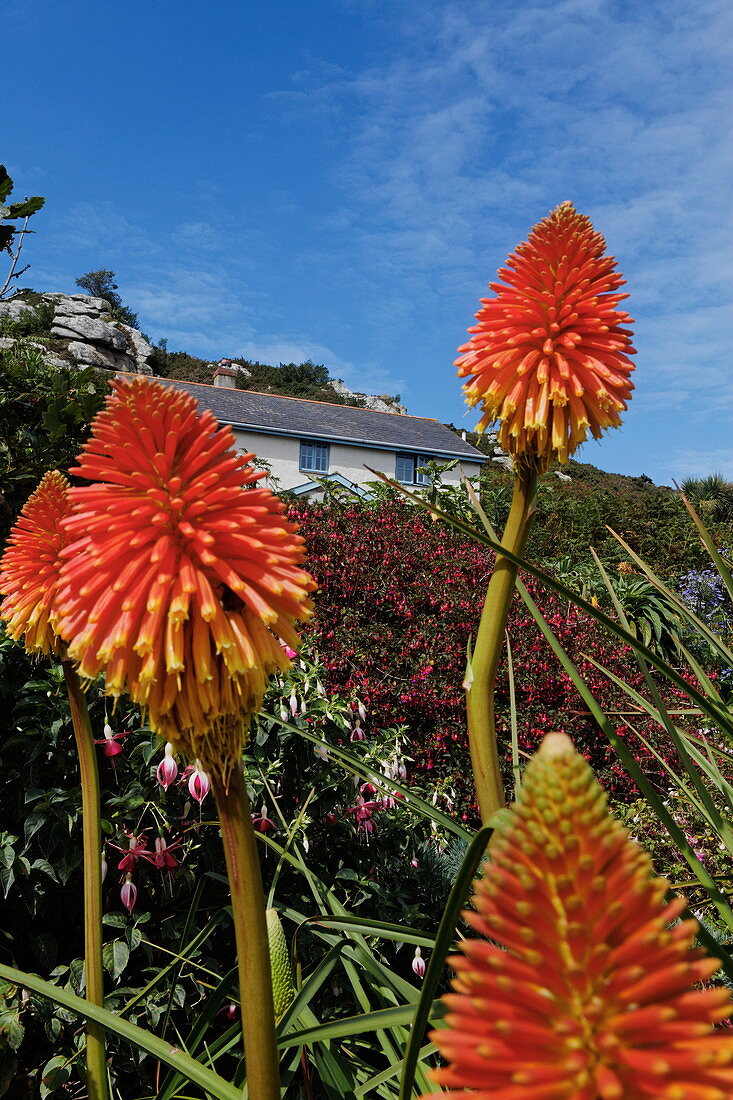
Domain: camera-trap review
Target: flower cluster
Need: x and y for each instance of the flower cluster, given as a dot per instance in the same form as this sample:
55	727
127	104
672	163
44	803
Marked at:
29	574
704	591
549	356
396	608
585	992
177	584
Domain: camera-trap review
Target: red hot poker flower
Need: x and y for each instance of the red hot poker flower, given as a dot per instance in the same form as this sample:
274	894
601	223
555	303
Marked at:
29	571
181	577
586	992
549	357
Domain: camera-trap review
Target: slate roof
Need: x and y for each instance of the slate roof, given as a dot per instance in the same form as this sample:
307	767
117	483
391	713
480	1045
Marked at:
264	412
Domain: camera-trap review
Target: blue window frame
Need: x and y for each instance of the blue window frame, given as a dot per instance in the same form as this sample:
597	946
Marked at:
314	457
407	471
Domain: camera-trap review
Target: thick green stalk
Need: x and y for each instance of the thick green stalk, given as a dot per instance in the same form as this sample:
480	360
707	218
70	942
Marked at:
97	1084
487	648
250	930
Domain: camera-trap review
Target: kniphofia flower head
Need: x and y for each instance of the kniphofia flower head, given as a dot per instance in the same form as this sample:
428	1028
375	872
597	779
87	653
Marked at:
586	992
549	357
181	576
30	567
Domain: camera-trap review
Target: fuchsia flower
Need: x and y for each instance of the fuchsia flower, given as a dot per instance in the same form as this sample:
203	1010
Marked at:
261	821
167	769
418	964
137	849
111	741
128	893
198	781
289	652
161	857
364	813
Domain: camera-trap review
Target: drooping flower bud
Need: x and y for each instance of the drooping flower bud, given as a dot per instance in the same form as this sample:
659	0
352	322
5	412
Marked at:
128	893
198	783
418	964
167	769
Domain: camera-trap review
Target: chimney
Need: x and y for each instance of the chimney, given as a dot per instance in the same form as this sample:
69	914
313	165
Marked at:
225	375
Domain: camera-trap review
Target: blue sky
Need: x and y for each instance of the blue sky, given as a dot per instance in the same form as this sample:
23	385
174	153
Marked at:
340	179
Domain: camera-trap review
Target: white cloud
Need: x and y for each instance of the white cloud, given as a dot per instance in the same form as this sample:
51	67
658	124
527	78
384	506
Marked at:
489	115
698	463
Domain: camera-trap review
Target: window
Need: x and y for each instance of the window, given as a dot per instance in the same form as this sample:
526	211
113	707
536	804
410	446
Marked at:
406	468
314	457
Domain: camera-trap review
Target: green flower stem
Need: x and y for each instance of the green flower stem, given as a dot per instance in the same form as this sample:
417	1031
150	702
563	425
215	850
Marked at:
481	678
97	1084
250	930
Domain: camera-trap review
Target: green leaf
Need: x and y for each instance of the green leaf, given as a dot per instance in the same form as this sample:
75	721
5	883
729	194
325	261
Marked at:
374	928
6	183
443	941
140	1038
115	957
55	1073
379	1020
115	920
25	208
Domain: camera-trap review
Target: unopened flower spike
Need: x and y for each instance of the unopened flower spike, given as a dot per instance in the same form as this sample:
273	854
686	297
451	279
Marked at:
549	355
590	986
30	567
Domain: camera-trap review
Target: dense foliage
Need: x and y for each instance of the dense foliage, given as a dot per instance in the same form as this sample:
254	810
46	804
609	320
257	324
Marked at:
399	600
44	417
358	846
380	677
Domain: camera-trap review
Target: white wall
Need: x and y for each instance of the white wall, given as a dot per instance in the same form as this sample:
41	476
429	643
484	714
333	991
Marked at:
283	454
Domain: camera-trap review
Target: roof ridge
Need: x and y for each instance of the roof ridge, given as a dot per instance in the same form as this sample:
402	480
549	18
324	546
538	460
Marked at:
288	397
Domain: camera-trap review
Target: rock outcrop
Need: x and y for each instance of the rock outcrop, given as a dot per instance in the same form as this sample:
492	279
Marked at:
381	403
84	332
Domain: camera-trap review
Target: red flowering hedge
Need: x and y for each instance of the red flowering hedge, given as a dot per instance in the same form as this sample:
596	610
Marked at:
399	598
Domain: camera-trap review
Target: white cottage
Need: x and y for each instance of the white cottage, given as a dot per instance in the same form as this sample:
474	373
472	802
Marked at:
308	442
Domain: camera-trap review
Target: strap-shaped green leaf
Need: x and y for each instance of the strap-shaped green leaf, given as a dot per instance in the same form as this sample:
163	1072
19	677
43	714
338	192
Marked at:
443	941
192	1070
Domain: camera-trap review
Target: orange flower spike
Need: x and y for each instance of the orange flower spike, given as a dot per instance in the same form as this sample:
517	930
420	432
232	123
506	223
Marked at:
549	357
586	992
177	571
30	567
